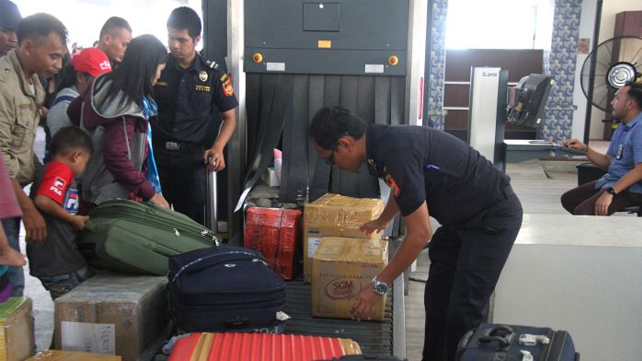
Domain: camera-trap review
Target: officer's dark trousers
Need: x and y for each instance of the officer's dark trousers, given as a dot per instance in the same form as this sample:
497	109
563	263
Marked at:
465	263
182	176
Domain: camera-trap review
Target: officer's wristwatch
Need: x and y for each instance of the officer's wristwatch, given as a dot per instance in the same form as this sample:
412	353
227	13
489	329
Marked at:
610	191
380	288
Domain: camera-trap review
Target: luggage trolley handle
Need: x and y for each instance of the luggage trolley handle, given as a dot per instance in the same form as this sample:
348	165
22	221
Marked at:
211	205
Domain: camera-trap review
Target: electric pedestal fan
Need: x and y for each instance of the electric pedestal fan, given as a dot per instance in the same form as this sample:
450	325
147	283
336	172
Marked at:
618	60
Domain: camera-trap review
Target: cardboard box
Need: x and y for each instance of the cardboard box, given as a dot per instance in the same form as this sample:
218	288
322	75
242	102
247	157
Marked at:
112	314
56	355
342	267
334	215
16	329
270	178
276	233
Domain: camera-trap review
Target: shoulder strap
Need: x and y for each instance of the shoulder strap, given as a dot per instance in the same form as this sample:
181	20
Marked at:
62	98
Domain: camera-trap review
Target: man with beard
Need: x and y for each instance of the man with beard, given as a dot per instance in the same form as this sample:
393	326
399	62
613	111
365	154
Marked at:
621	186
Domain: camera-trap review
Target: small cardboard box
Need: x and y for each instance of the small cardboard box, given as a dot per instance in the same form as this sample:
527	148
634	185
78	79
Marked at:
270	178
334	215
16	329
342	267
112	314
56	355
276	233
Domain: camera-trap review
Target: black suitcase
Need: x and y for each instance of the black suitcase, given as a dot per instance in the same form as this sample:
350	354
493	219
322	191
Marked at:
491	342
224	288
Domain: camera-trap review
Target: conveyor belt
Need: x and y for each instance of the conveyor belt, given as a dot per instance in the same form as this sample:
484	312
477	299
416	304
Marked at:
375	338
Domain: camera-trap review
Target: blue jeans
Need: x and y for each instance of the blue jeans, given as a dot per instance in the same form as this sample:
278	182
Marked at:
60	284
16	273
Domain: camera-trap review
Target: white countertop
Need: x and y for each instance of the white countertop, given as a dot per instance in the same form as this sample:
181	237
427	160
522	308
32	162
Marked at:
589	231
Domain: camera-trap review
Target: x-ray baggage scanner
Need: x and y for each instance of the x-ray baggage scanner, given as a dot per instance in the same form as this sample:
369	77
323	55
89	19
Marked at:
493	103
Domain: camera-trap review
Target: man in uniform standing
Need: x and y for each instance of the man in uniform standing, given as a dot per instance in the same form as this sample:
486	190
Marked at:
189	92
431	173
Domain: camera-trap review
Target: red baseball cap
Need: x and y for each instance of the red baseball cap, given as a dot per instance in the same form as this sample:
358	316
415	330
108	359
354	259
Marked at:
92	61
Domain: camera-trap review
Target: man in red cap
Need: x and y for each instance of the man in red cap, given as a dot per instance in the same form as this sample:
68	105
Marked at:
9	19
76	76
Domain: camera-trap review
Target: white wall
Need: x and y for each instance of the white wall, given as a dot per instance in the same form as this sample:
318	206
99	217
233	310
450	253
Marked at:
609	9
587	21
85	18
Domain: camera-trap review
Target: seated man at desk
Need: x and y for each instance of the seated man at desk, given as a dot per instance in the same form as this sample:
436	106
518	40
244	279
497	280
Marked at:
621	186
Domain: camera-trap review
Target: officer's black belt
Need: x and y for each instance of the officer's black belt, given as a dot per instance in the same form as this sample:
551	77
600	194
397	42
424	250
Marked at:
177	146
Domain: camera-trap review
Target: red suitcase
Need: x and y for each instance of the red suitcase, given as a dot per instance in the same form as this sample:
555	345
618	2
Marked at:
276	233
260	347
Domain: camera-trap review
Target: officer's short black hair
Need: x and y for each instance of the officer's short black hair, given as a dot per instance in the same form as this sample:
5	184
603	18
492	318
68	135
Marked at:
38	27
185	18
331	123
68	139
635	92
113	26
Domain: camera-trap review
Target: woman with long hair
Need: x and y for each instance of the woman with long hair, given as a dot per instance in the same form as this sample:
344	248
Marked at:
116	109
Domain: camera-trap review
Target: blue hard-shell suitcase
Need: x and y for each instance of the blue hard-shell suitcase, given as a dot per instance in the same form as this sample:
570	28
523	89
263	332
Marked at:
491	342
224	288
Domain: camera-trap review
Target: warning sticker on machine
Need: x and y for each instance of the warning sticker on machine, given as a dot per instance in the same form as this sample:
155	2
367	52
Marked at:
275	66
374	68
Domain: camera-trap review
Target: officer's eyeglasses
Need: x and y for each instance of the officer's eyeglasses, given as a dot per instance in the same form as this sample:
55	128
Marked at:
329	160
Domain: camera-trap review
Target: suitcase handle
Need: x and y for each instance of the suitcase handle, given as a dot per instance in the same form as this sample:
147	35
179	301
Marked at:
89	227
237	322
207	261
503	335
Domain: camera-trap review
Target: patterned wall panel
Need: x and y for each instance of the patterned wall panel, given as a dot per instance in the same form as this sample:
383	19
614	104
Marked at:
558	118
438	11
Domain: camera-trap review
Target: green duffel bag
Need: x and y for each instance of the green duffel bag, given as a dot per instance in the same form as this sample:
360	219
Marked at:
131	237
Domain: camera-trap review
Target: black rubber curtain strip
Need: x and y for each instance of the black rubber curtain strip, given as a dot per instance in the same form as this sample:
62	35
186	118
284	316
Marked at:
271	120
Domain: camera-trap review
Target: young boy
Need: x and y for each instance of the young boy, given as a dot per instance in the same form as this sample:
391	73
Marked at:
56	261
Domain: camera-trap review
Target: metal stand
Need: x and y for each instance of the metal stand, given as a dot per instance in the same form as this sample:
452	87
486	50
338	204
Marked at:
211	210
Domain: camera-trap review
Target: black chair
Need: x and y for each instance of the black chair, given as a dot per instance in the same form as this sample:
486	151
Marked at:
588	172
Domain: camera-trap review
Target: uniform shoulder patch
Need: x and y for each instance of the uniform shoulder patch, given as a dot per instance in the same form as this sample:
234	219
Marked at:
228	89
394	187
212	64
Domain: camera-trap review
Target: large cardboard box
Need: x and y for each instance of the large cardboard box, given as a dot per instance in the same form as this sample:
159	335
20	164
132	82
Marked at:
112	314
276	233
341	268
334	215
16	329
56	355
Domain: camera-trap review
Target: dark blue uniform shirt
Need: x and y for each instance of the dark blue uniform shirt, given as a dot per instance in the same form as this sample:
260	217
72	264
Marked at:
422	164
187	98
